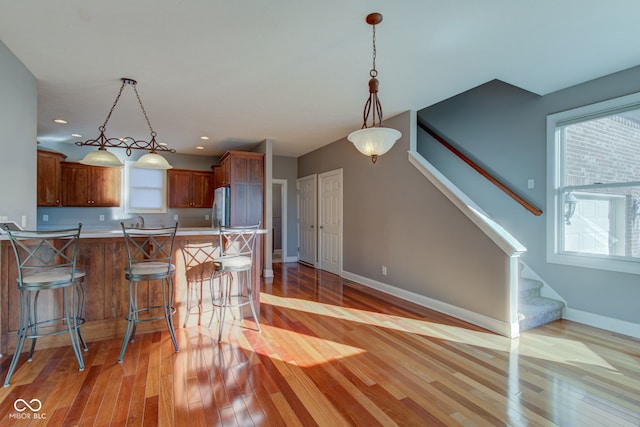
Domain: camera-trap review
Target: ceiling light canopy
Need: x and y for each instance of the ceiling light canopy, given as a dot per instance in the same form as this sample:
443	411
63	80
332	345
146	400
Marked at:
101	157
373	140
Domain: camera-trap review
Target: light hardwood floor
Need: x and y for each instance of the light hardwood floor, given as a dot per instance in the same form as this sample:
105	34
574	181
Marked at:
334	353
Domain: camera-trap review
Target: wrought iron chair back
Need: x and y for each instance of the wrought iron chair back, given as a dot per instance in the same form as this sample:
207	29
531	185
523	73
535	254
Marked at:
149	245
237	242
39	252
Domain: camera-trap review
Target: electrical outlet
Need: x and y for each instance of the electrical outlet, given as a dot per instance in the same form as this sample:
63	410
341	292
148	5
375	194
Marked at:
384	270
101	217
206	216
175	217
45	218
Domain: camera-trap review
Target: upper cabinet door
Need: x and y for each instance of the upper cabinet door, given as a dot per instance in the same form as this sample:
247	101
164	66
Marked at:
179	188
75	184
106	186
90	186
202	189
190	189
49	177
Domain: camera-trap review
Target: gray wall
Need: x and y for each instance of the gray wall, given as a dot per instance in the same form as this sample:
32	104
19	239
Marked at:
287	168
18	132
396	217
503	128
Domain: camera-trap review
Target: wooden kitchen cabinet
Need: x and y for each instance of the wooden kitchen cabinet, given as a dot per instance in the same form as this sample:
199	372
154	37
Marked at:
243	172
90	186
217	176
49	178
190	189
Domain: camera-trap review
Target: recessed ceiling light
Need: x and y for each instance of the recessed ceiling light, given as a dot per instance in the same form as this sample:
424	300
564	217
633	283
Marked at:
61	121
76	135
199	147
204	138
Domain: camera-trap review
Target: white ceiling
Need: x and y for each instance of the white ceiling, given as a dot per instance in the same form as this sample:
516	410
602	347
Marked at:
295	71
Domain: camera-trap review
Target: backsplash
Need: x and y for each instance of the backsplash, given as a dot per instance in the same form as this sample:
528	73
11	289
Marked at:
59	217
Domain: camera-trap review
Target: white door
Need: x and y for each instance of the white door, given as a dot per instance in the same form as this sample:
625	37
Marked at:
307	219
330	252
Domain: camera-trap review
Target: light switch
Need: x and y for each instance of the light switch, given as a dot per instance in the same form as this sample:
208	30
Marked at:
530	183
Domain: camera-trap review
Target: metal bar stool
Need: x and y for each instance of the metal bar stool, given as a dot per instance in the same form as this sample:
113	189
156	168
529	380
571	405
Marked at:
149	258
46	262
237	248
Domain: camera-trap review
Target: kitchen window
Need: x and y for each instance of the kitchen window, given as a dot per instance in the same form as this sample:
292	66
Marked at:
145	189
593	193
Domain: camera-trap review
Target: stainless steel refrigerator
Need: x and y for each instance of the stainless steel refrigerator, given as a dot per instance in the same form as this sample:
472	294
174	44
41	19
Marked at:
221	208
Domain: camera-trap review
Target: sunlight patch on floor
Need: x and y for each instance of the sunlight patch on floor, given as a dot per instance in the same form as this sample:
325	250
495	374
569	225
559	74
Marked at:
553	349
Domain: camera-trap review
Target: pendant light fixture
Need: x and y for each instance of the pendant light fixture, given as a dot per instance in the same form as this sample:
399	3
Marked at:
101	157
373	140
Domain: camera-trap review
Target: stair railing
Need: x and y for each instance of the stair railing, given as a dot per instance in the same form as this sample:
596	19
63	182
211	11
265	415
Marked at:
528	206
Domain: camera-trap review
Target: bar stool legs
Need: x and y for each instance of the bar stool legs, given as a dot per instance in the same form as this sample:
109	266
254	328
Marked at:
133	315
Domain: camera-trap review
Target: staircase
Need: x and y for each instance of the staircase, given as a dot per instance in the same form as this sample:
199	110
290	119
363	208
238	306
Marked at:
534	309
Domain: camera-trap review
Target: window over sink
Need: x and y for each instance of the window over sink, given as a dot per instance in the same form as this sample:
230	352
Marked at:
145	190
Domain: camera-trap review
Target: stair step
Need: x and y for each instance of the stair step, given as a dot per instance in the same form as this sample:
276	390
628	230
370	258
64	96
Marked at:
537	311
528	288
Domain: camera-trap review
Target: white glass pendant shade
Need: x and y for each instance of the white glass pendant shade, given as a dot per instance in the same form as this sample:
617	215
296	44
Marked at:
101	157
152	161
374	141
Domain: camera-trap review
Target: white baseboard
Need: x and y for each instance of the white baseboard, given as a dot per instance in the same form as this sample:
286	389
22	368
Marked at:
603	322
502	328
268	273
286	259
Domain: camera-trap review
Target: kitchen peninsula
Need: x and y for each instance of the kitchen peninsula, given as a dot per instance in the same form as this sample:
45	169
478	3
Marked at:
102	255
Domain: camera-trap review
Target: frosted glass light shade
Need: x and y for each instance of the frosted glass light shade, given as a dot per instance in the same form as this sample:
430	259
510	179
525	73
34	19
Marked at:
374	141
152	161
101	158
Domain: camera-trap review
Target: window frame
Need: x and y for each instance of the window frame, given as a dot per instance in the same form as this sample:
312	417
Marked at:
555	208
127	184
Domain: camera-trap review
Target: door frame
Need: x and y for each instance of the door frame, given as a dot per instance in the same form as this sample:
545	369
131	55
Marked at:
284	217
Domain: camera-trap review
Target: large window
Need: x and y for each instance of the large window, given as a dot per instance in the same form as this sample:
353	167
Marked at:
594	185
145	189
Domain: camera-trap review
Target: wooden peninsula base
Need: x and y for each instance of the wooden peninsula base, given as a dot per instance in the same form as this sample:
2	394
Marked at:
103	256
